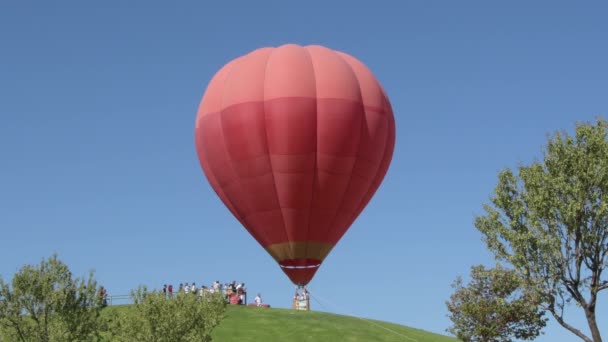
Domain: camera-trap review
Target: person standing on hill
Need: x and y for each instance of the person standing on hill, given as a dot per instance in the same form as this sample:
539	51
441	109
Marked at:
235	299
103	296
243	293
258	300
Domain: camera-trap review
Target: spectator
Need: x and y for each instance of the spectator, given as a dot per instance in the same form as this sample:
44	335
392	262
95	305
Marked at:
186	288
165	290
170	289
241	292
258	300
193	288
235	299
103	296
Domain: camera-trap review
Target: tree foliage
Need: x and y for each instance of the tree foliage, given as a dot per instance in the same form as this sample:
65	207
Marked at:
45	303
493	308
550	221
155	318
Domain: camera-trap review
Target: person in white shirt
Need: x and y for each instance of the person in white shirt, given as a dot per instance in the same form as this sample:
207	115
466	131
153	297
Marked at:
193	288
186	288
258	300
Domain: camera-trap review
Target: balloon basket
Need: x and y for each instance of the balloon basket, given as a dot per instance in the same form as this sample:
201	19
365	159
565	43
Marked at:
301	299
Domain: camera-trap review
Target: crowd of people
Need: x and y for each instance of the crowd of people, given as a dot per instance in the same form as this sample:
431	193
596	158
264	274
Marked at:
234	293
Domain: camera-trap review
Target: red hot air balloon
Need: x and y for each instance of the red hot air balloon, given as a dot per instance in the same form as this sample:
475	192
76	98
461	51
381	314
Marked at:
295	141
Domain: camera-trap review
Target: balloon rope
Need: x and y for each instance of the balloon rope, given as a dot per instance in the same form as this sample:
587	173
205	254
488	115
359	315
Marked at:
361	318
323	306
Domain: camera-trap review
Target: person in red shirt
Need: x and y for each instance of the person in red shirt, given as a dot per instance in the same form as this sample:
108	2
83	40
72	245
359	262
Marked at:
235	299
103	296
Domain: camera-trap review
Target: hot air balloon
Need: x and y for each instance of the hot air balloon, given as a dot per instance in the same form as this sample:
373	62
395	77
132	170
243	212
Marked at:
295	141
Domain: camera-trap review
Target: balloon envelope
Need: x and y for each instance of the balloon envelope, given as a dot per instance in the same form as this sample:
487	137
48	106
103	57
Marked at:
295	141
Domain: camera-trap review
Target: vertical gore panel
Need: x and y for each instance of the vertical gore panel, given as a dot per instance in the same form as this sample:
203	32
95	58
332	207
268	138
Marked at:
208	169
245	81
289	73
291	123
216	155
371	91
211	105
244	127
374	144
386	159
339	119
339	140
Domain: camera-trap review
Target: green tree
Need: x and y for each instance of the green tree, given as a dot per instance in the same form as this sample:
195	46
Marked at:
154	318
493	308
550	221
44	303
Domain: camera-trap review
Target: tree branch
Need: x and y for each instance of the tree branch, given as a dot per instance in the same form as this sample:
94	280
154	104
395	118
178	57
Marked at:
15	325
572	329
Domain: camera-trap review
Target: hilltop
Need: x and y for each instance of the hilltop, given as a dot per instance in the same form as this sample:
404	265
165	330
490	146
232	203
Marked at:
245	324
258	324
252	324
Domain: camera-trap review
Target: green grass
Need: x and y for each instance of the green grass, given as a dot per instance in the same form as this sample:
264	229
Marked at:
260	324
245	324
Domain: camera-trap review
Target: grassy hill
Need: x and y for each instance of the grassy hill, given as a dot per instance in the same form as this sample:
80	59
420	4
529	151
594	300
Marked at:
258	324
249	324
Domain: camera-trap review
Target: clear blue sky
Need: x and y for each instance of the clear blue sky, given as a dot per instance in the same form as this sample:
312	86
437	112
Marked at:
97	107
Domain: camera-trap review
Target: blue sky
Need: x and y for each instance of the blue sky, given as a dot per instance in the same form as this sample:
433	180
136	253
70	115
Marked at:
98	101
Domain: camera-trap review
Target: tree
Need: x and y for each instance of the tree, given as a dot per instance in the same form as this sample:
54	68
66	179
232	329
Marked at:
550	221
153	317
493	308
44	303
